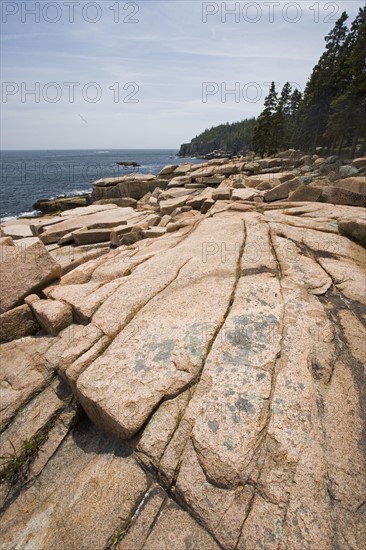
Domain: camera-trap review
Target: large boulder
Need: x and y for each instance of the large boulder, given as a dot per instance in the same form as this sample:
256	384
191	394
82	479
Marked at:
359	163
281	191
337	195
354	229
133	186
167	170
16	231
269	163
25	268
168	206
244	194
90	236
137	186
355	184
52	315
126	235
183	169
197	202
305	193
205	172
347	171
179	181
222	193
17	323
111	217
268	181
227	169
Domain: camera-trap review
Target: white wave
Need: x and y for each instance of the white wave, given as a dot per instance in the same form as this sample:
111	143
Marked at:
32	214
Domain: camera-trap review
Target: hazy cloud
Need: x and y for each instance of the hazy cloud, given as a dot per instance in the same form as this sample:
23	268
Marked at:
137	73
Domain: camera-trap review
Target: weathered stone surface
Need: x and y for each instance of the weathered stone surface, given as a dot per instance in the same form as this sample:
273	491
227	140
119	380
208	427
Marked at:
306	193
71	257
91	236
182	169
226	169
24	371
205	172
152	220
126	235
16	231
123	203
347	171
337	195
32	420
355	184
281	191
174	194
230	353
6	241
176	528
354	228
168	206
169	169
113	216
243	194
154	232
179	181
207	205
177	356
82	211
24	269
52	315
237	181
221	194
165	220
131	186
216	179
17	323
87	490
197	201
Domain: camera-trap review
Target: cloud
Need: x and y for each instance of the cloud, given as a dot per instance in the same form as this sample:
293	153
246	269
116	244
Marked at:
162	61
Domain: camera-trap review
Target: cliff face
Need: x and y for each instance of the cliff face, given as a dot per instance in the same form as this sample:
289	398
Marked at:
198	148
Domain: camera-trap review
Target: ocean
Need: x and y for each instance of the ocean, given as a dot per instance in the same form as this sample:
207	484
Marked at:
27	176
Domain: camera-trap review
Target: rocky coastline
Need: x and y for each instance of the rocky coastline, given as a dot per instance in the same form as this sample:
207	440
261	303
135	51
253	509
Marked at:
183	360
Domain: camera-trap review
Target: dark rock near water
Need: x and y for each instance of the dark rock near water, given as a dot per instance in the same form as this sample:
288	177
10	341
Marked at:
128	163
50	206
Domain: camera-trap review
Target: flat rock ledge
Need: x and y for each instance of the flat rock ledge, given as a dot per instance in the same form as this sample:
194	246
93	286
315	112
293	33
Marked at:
200	387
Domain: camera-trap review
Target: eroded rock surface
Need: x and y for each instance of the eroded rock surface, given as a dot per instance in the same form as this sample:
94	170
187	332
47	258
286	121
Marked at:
222	366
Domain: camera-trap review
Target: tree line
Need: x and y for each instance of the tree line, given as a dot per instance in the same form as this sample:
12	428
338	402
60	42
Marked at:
236	136
332	111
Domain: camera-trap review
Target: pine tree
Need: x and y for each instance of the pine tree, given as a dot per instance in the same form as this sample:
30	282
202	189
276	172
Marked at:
322	88
357	90
282	119
264	138
346	122
294	122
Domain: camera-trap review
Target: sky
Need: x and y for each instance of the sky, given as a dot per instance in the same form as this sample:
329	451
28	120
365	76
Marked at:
149	74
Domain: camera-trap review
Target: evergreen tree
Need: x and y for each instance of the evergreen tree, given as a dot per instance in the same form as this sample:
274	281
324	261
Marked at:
322	88
264	138
282	119
357	88
332	112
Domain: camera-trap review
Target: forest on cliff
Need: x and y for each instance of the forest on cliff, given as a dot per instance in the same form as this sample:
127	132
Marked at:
331	113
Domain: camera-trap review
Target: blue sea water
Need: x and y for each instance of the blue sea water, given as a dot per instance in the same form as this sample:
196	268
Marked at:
27	176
